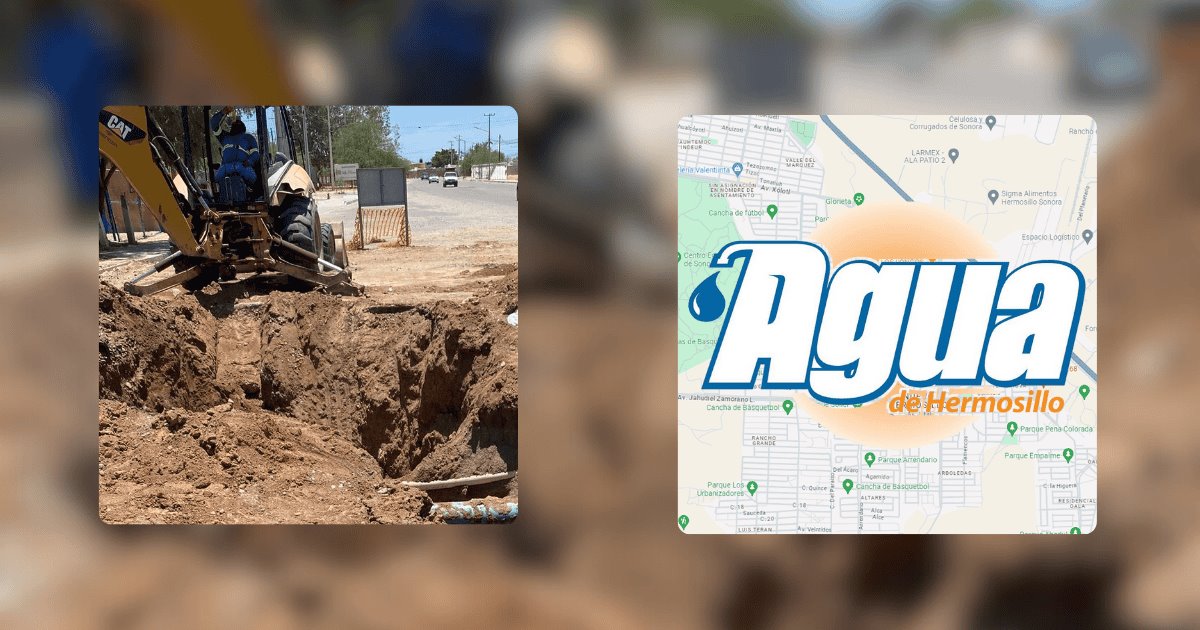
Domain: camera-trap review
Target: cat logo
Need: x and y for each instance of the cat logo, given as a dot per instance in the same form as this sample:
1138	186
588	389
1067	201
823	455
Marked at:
124	129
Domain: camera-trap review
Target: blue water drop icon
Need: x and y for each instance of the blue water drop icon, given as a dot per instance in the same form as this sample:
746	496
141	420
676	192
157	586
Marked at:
707	303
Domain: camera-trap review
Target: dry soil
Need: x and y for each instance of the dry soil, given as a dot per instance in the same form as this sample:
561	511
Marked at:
243	404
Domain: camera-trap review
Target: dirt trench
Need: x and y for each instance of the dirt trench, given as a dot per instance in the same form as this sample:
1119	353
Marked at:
301	407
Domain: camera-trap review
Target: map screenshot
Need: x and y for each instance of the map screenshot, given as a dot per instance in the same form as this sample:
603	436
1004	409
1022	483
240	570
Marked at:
887	324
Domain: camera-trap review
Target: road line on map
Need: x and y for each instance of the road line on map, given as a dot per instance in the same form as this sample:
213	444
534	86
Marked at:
875	167
1083	366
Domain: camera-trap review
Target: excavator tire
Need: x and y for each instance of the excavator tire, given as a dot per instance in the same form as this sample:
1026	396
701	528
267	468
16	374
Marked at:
327	244
296	226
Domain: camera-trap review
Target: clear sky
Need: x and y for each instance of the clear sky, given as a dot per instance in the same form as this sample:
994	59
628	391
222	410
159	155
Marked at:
422	130
843	12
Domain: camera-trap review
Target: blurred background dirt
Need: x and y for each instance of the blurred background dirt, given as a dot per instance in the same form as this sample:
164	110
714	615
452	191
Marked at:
599	88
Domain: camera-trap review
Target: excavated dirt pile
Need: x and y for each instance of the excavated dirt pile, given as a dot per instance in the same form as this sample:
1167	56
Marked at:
302	407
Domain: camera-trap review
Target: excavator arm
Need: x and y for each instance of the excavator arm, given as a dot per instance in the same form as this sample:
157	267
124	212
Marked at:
225	239
128	140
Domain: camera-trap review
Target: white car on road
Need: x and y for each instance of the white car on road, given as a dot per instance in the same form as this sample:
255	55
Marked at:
433	179
450	179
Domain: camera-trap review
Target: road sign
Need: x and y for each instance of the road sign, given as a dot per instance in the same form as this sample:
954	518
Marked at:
382	187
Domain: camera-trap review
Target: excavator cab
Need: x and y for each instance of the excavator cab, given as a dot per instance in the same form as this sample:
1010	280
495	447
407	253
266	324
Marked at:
240	171
255	213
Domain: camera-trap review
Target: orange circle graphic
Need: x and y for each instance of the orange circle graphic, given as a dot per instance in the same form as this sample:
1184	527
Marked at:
896	231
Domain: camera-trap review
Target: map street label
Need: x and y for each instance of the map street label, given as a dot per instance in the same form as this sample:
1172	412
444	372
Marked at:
993	195
1084	390
737	169
787	406
990	121
1012	428
859	198
772	210
848	485
1068	454
752	487
683	521
1087	237
953	155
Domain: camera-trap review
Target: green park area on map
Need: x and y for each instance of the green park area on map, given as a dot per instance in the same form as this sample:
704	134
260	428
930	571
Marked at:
804	131
705	225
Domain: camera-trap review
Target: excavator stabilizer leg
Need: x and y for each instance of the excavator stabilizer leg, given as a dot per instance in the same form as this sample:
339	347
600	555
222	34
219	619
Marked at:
161	285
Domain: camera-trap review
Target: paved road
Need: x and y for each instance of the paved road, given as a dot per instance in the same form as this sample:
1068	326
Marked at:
435	211
432	208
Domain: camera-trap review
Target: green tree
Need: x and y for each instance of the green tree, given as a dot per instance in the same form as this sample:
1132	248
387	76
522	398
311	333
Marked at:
365	142
443	157
479	154
322	119
170	121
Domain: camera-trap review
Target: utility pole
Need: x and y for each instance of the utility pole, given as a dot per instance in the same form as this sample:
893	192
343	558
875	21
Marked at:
329	128
460	143
304	131
489	117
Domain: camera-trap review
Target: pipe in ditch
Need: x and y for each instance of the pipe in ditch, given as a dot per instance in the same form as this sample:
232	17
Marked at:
467	512
476	480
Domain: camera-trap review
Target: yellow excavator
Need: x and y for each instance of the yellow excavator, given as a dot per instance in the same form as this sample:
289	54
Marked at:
259	218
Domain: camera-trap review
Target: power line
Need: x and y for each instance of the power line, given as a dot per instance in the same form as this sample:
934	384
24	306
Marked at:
444	125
